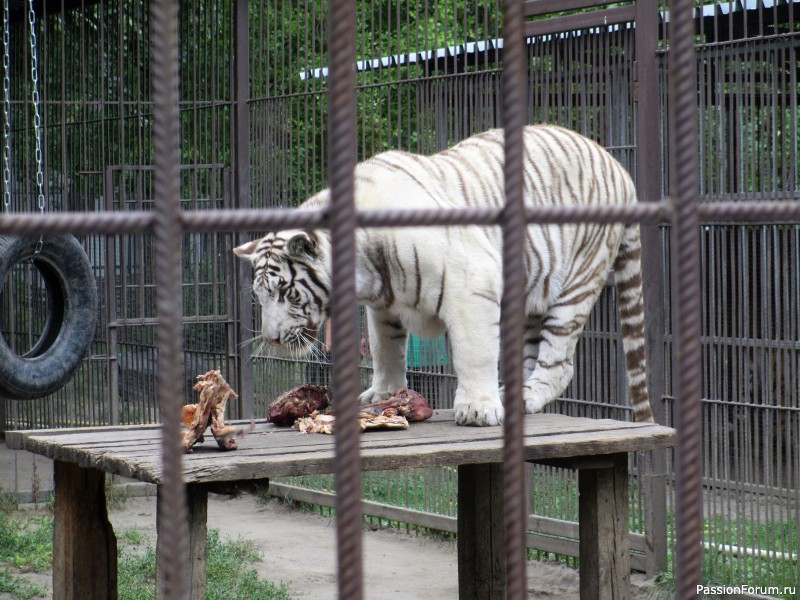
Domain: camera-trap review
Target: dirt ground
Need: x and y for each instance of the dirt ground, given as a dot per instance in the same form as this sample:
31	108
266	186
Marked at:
299	549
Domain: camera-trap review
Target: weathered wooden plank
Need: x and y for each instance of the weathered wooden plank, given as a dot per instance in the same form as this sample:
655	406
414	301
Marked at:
481	553
442	430
255	463
571	547
604	544
85	547
279	452
15	440
570	529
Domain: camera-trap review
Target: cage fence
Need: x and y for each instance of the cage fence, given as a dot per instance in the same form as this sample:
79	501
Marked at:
427	78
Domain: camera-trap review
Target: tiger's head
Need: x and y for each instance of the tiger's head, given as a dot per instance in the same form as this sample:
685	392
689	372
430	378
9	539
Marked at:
291	280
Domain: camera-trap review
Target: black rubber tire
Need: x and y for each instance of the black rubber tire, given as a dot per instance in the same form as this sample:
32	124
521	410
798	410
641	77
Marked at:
70	326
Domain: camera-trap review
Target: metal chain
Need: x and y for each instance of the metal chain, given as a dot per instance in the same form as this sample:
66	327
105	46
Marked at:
37	119
6	111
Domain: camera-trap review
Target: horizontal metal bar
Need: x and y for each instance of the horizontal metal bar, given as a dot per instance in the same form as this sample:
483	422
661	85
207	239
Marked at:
253	219
766	212
748	342
738	404
147	321
597	18
104	222
779	196
184	167
224	220
533	8
34	223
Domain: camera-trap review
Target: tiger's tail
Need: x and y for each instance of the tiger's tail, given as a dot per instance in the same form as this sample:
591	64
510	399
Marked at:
630	302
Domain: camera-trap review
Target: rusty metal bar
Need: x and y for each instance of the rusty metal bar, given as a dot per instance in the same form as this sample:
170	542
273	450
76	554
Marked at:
598	18
533	8
648	189
512	309
767	212
173	527
686	287
344	305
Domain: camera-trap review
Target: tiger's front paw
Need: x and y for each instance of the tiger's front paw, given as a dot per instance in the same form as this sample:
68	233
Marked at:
483	412
371	395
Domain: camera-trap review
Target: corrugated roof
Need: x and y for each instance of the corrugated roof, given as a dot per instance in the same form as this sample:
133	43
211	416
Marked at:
708	11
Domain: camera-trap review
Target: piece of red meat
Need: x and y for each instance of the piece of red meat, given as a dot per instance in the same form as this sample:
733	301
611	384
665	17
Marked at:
408	403
297	403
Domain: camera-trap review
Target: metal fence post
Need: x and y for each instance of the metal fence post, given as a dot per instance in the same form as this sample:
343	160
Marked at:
652	471
173	530
686	283
344	308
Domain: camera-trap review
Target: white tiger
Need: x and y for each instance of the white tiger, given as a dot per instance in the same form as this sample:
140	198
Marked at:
428	280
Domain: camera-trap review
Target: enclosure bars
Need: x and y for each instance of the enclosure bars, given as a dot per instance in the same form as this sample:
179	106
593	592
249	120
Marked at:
173	531
104	223
653	470
512	309
686	267
233	220
344	304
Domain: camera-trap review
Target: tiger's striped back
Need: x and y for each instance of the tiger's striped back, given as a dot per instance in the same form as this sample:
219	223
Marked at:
430	279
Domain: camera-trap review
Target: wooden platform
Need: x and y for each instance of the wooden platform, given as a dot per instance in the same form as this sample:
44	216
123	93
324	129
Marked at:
598	448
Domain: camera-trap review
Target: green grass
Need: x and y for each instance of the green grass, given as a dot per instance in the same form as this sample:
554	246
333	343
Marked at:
19	587
720	566
8	502
26	546
229	575
132	537
26	543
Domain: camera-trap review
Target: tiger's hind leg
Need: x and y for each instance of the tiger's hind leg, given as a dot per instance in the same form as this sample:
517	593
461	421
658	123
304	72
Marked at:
560	329
533	337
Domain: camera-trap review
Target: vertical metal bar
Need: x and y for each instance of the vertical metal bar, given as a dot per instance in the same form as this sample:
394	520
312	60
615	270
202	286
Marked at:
648	189
344	310
112	331
686	255
172	582
512	327
241	166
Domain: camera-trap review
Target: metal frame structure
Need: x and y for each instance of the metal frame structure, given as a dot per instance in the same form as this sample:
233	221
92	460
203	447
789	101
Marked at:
683	212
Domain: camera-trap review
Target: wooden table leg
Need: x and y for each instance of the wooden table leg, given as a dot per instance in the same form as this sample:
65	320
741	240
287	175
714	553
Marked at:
84	544
605	558
197	498
481	551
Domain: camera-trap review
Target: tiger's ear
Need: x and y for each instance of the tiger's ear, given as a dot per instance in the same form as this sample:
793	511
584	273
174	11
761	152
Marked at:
302	244
246	251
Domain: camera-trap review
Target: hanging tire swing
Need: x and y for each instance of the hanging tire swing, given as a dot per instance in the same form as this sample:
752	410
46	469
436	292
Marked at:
70	323
63	265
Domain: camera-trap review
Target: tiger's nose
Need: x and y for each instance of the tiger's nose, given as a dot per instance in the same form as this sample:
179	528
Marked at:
275	341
